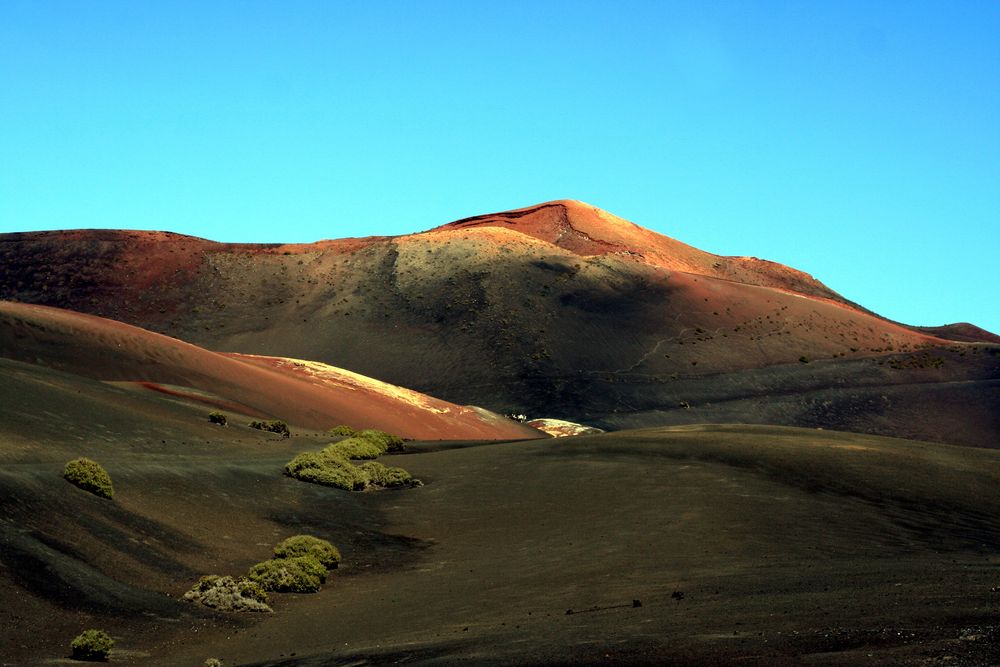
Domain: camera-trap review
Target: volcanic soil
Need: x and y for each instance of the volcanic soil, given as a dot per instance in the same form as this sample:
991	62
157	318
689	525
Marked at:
681	545
305	393
709	536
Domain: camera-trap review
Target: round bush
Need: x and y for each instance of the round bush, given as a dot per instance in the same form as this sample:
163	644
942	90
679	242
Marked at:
92	645
343	430
307	545
218	418
251	590
326	468
273	426
228	594
357	448
391	443
386	476
301	574
89	476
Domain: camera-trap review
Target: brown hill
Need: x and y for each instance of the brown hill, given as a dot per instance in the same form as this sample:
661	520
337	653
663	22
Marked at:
587	231
304	393
961	331
558	310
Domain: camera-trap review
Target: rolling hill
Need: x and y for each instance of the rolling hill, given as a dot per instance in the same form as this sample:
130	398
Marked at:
760	517
303	393
558	310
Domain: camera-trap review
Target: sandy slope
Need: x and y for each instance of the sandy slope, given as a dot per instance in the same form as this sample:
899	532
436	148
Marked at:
108	350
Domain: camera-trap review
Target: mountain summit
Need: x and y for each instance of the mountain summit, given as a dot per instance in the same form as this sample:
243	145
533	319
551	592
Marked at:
586	230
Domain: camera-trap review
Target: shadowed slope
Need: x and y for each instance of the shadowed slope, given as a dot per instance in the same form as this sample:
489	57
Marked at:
108	350
961	331
192	498
760	544
558	310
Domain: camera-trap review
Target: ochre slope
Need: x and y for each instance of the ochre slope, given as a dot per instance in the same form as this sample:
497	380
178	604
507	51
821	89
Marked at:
109	350
586	230
558	310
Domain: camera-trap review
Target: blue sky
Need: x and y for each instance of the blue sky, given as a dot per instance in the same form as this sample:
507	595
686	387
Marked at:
857	141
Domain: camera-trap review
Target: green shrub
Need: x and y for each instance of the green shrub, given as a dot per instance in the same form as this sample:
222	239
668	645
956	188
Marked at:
343	430
392	443
89	476
386	476
307	545
251	589
218	418
326	468
229	594
212	662
206	582
357	448
332	466
92	645
274	426
299	574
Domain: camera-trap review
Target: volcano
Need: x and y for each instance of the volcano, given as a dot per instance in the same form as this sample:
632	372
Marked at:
557	310
743	504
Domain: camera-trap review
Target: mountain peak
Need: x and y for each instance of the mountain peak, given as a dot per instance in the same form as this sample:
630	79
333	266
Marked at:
568	223
589	231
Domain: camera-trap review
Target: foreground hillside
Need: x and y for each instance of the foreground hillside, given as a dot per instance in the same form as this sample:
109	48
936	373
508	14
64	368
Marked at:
687	545
557	310
304	393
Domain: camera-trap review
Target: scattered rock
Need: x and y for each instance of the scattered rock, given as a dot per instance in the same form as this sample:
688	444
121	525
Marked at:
559	428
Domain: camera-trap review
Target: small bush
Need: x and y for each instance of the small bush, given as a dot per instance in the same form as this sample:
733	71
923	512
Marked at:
343	430
386	476
307	545
89	476
94	645
300	574
274	426
218	418
357	448
332	466
392	443
326	468
229	594
212	662
251	589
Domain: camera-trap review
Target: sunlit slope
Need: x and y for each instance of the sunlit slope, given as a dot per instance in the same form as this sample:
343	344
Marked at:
558	310
108	350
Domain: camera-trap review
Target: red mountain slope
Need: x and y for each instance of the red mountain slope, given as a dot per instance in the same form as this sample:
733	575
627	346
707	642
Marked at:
303	393
586	230
557	310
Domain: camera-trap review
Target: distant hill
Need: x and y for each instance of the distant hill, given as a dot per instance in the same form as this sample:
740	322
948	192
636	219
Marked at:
558	310
961	331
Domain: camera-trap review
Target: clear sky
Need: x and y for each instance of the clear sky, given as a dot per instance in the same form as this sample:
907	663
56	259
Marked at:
857	141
